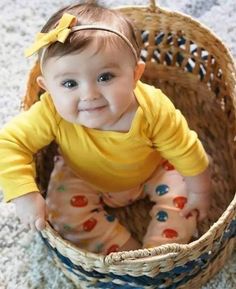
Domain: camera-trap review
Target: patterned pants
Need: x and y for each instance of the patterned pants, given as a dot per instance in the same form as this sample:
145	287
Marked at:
76	210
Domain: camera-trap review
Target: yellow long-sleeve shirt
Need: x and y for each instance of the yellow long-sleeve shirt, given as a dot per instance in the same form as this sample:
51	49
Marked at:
109	160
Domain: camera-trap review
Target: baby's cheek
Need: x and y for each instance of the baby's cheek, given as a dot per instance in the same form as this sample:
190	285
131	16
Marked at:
69	113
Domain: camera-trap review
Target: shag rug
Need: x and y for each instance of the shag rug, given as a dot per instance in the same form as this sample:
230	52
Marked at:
24	260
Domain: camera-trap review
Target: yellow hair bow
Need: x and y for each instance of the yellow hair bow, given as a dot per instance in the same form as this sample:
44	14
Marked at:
60	33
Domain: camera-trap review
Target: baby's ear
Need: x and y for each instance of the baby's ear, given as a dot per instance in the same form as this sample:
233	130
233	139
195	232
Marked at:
41	82
138	71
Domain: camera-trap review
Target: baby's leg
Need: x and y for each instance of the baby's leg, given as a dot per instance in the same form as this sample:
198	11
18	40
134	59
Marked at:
76	212
167	190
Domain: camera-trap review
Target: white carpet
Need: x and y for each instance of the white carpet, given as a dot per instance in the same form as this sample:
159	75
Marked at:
24	261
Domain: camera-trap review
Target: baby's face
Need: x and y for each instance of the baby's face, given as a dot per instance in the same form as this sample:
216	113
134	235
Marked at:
92	89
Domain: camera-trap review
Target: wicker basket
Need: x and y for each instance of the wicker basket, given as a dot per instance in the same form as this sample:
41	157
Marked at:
194	68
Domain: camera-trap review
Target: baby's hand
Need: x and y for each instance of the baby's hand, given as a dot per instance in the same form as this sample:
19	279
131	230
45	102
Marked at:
31	210
199	195
197	201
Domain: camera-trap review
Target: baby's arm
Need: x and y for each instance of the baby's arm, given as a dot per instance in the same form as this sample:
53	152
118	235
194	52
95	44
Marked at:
199	194
20	140
175	141
31	210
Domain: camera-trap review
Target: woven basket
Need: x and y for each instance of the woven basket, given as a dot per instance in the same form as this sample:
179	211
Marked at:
194	68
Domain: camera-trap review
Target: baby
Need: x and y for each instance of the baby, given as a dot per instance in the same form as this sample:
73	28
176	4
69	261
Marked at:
119	139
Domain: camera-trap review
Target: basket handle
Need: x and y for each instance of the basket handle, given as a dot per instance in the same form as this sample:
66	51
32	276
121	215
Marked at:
152	5
157	253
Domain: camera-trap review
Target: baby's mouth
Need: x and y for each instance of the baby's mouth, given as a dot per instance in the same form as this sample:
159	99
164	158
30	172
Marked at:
91	109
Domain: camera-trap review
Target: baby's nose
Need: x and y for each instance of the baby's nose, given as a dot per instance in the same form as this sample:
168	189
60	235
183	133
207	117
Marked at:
90	93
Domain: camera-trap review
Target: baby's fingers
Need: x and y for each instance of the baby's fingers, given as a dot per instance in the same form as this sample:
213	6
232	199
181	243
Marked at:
40	224
25	222
33	224
187	210
201	214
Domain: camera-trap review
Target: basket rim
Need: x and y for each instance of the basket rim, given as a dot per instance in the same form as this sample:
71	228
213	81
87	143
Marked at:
183	16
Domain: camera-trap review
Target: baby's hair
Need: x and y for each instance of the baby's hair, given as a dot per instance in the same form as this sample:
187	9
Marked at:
87	14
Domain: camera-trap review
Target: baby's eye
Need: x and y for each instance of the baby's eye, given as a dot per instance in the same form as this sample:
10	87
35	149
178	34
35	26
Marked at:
70	83
105	77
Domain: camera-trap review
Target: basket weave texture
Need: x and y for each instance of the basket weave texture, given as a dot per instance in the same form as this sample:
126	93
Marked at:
194	68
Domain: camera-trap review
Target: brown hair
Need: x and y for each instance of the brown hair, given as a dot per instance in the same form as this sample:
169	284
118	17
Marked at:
90	13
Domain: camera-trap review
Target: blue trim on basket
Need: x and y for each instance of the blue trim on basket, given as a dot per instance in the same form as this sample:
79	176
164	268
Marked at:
113	281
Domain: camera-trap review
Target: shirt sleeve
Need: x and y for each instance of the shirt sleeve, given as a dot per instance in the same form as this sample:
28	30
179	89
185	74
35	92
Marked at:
172	137
20	139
